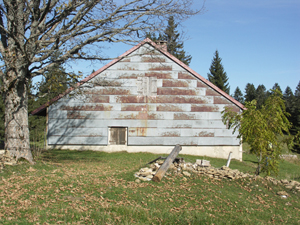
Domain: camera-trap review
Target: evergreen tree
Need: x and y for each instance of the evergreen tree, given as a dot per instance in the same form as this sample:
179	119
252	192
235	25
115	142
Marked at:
249	92
173	39
238	95
276	87
217	74
296	125
174	45
260	95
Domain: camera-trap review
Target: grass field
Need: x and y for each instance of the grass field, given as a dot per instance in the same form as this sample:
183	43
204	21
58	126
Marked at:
73	187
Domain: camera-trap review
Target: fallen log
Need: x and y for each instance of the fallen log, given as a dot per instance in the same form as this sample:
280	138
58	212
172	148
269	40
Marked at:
165	166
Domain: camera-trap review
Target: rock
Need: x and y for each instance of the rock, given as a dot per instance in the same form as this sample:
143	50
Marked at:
225	168
149	176
137	181
285	181
282	193
185	173
288	186
144	179
293	183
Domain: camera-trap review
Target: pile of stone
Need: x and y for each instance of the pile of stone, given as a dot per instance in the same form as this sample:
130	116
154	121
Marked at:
288	184
203	167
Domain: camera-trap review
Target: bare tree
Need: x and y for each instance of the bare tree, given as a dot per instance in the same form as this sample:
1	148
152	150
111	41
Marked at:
33	30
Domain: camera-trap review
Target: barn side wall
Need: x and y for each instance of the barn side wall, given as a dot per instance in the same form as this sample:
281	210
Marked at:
159	103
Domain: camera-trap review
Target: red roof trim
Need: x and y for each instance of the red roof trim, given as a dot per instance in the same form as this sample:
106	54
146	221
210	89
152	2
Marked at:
147	40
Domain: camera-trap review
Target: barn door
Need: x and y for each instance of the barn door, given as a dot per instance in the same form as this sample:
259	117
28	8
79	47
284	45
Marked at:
118	135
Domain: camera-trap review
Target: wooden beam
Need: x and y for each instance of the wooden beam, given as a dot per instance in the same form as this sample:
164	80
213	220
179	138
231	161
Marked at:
165	166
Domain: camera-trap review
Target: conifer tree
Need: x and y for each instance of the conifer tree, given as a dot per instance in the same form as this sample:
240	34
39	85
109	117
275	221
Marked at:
217	75
276	87
174	44
249	92
174	41
238	95
260	95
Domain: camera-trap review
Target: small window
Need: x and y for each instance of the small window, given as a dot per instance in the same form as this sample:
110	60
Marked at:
117	135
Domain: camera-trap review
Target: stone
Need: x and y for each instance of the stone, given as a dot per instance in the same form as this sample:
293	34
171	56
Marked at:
282	193
137	181
185	173
149	176
285	181
144	179
289	186
225	168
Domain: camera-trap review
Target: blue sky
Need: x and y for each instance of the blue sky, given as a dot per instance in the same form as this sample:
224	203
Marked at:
258	41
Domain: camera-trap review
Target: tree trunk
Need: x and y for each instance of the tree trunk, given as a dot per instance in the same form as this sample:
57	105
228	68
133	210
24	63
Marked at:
165	166
16	119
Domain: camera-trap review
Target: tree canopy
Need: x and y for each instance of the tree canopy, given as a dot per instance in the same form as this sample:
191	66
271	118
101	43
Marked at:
33	30
238	95
217	75
263	129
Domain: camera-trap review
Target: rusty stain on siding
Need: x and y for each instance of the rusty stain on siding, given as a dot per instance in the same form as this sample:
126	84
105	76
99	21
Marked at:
125	60
175	83
99	107
75	115
108	91
184	116
182	99
205	134
220	100
204	108
170	134
142	115
161	67
130	99
129	76
175	91
169	108
138	131
184	75
201	84
153	59
183	126
98	99
134	107
141	131
127	68
159	75
211	92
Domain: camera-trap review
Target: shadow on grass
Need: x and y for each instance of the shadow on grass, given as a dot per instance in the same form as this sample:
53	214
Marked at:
67	155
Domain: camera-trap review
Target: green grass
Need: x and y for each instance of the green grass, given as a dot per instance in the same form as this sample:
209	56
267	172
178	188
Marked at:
86	187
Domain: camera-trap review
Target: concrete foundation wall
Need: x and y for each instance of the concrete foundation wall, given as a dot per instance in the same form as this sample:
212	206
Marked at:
209	151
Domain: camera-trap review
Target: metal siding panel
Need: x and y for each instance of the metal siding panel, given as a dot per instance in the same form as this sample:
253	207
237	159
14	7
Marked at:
73	131
69	140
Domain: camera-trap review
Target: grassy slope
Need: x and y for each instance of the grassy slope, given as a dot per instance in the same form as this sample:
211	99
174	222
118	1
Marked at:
72	187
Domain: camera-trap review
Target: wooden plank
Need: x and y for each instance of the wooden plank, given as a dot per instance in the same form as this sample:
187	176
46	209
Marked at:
165	166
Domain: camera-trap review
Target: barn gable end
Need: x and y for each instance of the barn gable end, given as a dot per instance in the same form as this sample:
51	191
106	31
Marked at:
150	102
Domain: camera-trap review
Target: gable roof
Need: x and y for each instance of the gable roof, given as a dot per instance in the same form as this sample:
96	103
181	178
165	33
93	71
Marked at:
42	109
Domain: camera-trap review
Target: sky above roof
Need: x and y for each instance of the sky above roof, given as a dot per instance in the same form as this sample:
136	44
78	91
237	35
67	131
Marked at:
258	41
